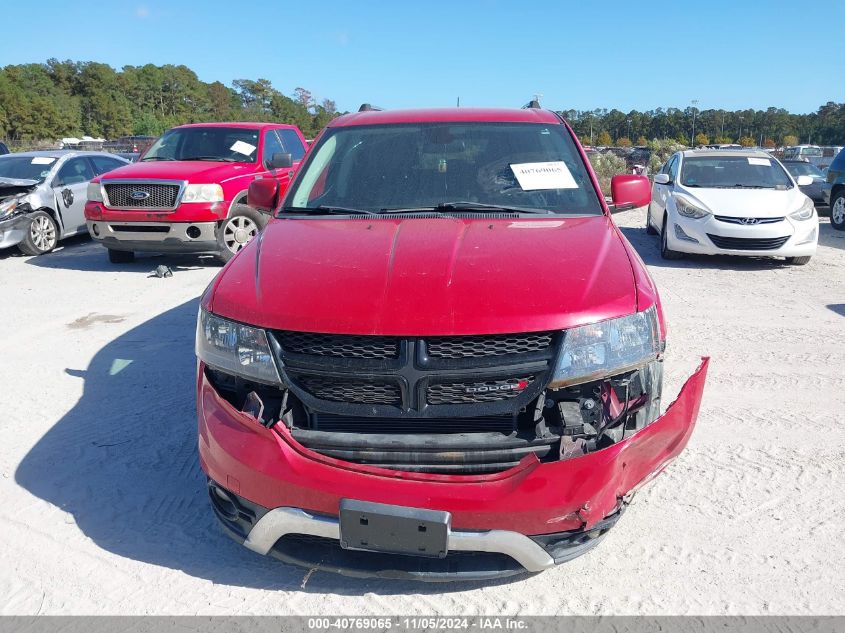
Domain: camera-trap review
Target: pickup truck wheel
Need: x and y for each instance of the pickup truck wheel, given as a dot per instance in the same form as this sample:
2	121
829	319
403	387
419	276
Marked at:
837	211
665	251
121	257
238	230
42	235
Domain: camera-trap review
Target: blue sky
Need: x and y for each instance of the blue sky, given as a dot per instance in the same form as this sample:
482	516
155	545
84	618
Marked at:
583	55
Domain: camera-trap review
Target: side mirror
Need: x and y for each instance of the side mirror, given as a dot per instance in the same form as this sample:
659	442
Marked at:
629	191
263	194
804	180
661	179
280	161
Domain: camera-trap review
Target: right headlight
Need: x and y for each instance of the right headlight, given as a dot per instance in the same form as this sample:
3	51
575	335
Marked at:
688	209
95	192
607	348
9	207
235	348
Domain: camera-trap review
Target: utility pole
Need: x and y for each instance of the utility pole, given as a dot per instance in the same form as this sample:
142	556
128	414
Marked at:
694	103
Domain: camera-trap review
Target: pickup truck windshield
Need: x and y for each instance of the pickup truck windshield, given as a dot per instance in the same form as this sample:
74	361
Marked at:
734	172
216	144
448	167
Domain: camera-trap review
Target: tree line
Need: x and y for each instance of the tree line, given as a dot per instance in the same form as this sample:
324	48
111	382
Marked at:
773	127
68	98
65	98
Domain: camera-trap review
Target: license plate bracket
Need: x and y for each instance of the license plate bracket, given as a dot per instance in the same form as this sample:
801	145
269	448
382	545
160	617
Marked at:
379	527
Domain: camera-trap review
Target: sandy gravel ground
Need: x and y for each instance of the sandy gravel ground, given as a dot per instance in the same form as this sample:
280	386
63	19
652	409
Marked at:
102	506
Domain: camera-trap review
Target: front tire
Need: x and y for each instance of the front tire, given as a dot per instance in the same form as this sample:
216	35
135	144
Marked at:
649	229
837	211
238	230
121	257
665	251
42	236
798	261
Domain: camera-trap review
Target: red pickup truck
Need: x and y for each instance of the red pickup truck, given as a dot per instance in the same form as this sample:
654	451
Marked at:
441	359
187	193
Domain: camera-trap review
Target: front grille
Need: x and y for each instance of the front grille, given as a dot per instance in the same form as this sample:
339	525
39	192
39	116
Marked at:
480	346
339	345
748	244
354	391
474	392
163	196
329	423
748	221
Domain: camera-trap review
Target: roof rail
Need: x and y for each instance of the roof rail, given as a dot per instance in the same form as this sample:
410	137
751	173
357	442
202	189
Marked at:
366	107
532	105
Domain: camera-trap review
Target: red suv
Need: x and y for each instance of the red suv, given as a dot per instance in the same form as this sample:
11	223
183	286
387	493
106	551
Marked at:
188	192
441	358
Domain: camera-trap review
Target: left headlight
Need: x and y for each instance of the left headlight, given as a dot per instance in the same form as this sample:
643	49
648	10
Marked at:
689	210
203	193
805	212
235	348
603	349
95	192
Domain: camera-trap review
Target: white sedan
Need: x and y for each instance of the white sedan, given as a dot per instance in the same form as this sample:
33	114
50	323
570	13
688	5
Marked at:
731	202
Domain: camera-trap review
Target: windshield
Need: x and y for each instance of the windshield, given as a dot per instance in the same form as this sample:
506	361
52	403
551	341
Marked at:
26	167
734	172
220	144
803	169
425	166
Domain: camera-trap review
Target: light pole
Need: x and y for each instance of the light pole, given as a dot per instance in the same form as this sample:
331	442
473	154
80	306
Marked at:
629	130
740	129
694	103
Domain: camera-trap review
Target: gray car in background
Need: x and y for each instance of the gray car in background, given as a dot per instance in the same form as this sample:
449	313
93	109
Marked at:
42	196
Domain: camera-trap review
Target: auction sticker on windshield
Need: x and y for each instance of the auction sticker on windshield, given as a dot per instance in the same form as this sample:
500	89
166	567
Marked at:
42	160
550	175
765	162
242	148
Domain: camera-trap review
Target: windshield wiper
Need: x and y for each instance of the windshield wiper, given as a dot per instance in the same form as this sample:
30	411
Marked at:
469	207
327	210
144	160
216	159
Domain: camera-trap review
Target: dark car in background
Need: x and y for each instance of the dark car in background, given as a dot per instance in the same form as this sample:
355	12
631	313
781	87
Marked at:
813	191
3	149
834	191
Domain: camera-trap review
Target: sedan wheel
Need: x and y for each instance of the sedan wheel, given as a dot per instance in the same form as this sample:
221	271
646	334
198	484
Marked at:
42	236
837	212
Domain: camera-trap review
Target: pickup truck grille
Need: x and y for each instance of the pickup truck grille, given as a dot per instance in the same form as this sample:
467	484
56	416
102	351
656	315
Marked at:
142	195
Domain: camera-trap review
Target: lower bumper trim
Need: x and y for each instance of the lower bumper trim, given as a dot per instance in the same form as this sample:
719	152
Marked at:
283	521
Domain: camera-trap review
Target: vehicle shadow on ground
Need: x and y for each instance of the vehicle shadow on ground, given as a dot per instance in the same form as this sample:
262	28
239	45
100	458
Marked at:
80	253
829	236
838	308
124	463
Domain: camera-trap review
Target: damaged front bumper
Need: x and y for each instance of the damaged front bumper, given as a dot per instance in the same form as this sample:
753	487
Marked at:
13	230
278	497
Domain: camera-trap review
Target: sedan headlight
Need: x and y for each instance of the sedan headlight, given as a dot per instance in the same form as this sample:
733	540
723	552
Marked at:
688	209
805	212
9	207
607	348
203	193
235	348
95	192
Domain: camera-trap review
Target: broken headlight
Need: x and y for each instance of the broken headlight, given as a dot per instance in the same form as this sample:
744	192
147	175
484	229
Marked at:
235	349
10	207
607	348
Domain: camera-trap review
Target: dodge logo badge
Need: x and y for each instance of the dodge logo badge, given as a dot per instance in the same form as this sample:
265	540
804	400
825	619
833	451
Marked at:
508	386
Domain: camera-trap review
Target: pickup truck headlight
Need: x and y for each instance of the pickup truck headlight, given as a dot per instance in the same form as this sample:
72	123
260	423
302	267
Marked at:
689	210
95	192
203	193
805	212
607	348
235	349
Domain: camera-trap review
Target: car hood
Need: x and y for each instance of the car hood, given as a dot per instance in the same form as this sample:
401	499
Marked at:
748	203
428	276
197	171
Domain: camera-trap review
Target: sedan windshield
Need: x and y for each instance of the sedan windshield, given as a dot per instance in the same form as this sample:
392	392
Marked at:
803	169
26	167
729	172
217	144
446	167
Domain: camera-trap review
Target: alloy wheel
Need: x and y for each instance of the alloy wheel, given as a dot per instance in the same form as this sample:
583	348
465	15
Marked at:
837	211
43	233
238	232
